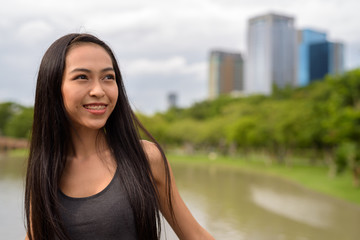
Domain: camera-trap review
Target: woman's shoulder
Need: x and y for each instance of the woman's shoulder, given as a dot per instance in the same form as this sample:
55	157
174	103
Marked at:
152	151
155	158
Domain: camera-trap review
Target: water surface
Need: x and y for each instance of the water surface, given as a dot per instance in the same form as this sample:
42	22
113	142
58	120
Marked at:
229	203
236	205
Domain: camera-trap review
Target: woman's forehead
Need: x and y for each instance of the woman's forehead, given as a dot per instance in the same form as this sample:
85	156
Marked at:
88	54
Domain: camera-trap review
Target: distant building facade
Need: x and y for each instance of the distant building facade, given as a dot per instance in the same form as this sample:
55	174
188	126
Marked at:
317	56
172	99
337	58
271	55
306	38
225	73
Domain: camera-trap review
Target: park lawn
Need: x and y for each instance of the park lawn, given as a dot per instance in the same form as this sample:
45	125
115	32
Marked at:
312	177
22	152
13	164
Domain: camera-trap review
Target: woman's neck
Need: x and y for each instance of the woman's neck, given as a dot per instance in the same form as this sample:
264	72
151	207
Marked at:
87	142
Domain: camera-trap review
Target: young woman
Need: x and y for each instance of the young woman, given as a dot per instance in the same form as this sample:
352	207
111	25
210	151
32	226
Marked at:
89	175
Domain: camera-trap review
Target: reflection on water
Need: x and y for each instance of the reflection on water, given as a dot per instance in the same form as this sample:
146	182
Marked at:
299	208
11	201
238	205
11	198
232	205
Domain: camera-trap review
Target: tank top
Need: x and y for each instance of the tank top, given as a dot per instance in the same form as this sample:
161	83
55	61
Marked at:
106	215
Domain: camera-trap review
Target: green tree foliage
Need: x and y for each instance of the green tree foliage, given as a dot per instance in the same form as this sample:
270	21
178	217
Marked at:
322	116
7	110
207	109
19	125
345	155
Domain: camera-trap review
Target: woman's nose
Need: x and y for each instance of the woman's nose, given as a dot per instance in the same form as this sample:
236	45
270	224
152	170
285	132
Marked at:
97	90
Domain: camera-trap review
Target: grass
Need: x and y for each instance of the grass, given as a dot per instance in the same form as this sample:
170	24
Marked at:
13	164
21	152
312	177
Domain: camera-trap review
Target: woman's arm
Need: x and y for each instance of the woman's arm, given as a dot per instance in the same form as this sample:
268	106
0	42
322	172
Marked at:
185	226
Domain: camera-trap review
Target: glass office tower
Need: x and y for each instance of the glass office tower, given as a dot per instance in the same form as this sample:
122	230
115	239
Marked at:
271	56
326	58
317	57
306	38
225	73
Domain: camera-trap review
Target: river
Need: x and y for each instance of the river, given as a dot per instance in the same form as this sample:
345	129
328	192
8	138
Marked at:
231	204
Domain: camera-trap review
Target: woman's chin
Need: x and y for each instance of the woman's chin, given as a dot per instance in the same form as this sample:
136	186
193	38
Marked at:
90	126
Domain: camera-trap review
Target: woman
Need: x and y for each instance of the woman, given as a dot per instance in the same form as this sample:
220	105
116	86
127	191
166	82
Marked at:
89	175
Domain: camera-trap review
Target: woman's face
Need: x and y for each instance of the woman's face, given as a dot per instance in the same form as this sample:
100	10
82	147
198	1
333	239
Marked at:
89	88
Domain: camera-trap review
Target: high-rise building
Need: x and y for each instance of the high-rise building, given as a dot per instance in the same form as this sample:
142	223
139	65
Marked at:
336	61
317	56
271	58
306	38
225	73
326	58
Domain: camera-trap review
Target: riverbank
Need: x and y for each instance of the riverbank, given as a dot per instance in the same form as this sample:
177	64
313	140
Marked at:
311	177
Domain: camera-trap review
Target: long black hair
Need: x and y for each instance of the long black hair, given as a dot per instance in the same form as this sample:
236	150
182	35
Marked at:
51	142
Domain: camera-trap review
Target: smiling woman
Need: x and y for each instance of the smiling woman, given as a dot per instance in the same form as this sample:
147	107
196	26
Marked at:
89	87
89	174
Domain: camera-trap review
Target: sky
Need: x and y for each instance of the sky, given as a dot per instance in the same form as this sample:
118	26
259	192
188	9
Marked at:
162	46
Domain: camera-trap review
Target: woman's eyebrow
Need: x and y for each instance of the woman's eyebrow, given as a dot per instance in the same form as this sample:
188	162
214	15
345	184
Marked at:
108	69
80	70
89	71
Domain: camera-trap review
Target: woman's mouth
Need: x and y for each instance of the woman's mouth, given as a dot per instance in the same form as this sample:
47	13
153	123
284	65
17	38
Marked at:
96	108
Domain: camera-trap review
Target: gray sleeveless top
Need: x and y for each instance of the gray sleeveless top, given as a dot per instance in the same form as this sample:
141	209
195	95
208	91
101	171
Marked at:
106	215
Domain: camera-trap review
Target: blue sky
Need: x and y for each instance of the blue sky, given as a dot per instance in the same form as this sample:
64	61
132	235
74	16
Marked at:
162	45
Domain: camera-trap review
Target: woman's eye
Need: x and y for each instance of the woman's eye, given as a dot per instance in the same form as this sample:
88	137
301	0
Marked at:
109	77
81	77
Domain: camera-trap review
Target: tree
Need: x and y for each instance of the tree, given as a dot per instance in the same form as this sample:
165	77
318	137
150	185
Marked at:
19	125
347	155
7	111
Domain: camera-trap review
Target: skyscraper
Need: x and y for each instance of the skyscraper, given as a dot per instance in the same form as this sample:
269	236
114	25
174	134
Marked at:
326	58
337	63
317	56
306	38
225	73
271	53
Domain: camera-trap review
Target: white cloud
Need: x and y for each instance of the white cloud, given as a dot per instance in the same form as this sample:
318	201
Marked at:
160	44
173	65
34	31
113	22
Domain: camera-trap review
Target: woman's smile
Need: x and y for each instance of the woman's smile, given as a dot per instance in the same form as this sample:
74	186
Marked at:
96	108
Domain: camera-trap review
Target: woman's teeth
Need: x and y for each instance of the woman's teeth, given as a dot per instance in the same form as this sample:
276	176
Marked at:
95	107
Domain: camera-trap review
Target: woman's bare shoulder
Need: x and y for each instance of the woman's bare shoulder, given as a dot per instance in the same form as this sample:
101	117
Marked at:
152	151
155	158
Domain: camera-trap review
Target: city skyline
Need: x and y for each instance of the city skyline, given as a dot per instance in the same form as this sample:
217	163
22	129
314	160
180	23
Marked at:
161	46
278	54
